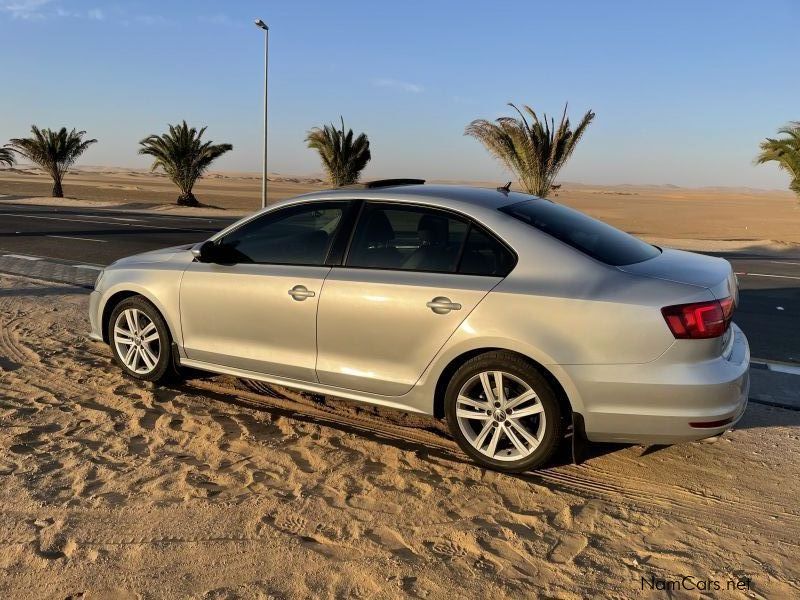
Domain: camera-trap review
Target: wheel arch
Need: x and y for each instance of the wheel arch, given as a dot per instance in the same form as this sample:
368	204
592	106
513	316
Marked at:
559	388
118	296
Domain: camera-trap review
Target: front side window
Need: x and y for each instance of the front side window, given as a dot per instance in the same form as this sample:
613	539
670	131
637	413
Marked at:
298	235
407	238
595	238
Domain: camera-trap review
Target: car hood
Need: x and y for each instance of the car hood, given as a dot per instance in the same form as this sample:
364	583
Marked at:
154	256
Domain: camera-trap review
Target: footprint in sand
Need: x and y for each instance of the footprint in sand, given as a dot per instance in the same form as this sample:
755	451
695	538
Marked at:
329	549
487	565
306	461
7	467
328	531
51	543
567	548
586	516
287	522
447	548
506	555
232	430
391	540
128	391
148	421
206	486
372	505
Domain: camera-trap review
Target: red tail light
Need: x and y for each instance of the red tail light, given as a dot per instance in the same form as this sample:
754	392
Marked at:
699	320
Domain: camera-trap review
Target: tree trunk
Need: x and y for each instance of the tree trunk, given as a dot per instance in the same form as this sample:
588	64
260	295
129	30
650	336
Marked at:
58	192
187	199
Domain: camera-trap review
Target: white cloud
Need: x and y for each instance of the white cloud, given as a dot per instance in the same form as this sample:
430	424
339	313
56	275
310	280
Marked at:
42	9
398	85
24	9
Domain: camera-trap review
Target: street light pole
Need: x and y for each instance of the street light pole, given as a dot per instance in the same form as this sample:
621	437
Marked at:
260	24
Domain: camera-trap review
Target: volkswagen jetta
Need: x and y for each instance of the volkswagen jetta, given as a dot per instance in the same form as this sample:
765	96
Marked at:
511	316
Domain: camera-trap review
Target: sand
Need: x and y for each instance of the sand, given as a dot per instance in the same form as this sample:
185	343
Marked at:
209	488
741	217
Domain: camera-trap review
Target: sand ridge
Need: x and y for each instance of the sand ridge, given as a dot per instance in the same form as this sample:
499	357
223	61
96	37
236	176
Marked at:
217	488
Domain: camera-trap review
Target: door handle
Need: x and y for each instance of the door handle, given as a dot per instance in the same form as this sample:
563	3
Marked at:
441	305
301	292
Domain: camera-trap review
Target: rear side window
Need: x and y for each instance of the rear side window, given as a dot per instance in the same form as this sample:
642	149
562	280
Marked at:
484	255
406	238
595	238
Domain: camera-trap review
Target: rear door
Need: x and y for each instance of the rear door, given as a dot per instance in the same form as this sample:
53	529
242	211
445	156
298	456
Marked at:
399	295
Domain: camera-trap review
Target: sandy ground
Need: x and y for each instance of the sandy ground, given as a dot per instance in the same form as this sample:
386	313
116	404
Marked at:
741	218
111	488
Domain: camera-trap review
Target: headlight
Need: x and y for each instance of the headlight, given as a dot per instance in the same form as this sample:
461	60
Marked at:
99	279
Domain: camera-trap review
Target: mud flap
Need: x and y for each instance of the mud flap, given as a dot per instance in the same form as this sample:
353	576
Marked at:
580	444
176	359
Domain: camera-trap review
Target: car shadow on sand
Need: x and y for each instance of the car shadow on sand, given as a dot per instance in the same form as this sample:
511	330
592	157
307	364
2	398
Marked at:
400	429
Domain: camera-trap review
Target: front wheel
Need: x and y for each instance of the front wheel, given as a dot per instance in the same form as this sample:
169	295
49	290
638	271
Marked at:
503	412
140	339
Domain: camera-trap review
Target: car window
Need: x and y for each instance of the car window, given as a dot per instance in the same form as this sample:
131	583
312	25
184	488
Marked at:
485	255
407	238
298	235
595	238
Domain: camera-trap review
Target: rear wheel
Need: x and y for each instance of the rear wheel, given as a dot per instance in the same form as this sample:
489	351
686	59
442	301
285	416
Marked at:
503	412
140	339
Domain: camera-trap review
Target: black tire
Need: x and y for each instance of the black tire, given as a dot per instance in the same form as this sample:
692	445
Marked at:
163	368
508	362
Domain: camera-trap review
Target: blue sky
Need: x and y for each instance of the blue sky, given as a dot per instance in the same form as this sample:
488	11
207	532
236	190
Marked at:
683	91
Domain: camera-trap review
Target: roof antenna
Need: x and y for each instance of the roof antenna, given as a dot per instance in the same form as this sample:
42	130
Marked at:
505	188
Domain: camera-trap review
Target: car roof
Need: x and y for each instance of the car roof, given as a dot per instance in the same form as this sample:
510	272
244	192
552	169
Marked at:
461	197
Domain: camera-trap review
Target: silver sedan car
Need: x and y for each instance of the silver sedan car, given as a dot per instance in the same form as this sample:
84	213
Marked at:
519	320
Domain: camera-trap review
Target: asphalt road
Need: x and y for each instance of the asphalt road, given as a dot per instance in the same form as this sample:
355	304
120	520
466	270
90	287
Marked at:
769	310
96	236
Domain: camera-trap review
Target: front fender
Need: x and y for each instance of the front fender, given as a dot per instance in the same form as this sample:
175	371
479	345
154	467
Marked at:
161	287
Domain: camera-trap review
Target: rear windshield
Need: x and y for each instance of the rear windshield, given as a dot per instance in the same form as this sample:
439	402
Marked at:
590	236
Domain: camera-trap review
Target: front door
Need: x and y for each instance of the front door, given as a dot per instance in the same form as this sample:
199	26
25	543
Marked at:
255	308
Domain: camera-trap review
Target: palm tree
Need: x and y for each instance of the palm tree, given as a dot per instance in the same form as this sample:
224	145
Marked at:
342	156
183	157
54	151
786	152
535	152
6	157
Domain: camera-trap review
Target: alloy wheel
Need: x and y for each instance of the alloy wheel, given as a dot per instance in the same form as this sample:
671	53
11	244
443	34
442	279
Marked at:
137	341
501	416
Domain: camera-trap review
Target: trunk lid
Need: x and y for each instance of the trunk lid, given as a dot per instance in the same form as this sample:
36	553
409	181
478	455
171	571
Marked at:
712	273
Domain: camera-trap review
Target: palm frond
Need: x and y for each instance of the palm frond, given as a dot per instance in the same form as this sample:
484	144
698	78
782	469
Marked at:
183	156
343	155
54	151
534	149
7	157
784	151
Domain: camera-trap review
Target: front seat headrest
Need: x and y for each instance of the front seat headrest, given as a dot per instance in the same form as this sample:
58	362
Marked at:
433	230
379	230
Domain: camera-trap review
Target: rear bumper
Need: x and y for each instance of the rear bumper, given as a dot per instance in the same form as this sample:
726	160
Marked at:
665	402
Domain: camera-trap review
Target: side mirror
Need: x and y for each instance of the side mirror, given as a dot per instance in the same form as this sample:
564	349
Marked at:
209	252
